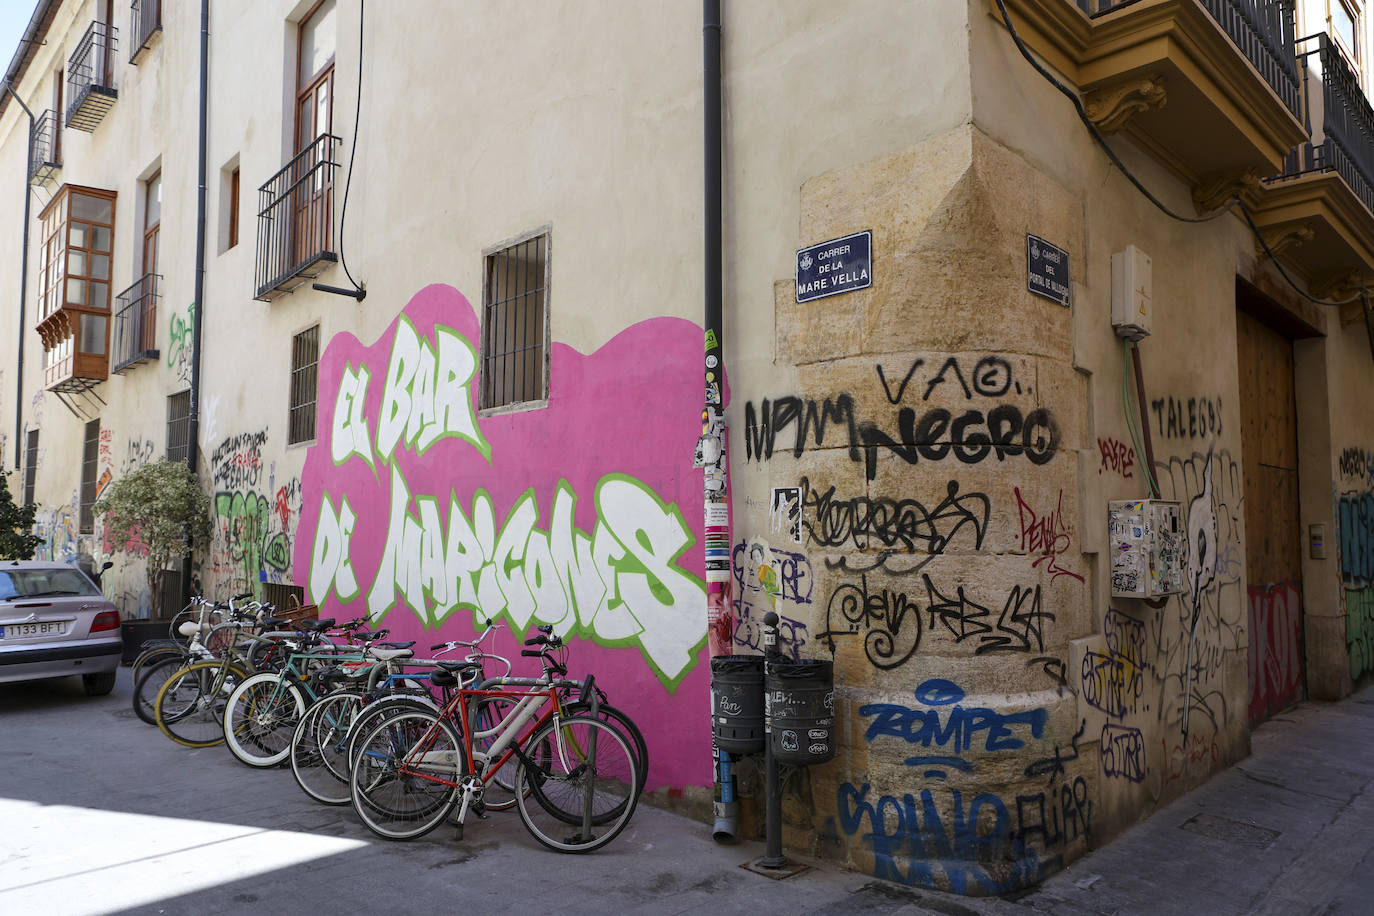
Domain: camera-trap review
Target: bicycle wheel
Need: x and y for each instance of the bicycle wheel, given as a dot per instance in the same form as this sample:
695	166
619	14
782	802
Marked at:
578	789
405	780
149	681
190	706
374	713
260	717
159	651
622	723
318	749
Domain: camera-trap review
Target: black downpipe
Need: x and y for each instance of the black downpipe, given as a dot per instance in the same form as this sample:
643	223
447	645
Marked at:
198	312
23	287
712	450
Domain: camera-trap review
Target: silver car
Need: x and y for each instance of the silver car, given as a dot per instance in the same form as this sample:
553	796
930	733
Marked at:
54	622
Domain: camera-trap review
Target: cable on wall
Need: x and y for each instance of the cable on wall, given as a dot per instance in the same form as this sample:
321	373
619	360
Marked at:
358	292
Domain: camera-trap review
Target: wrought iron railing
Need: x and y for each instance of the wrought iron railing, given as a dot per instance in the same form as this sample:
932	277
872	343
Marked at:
145	21
295	219
1263	30
90	76
45	153
135	323
1346	144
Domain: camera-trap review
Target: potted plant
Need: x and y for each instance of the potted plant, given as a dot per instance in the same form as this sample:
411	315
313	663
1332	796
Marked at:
16	543
162	507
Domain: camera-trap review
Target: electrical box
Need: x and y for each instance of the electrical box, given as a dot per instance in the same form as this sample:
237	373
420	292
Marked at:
1132	290
1149	547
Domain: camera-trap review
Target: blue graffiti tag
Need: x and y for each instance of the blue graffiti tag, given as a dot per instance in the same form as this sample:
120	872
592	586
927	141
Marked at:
1357	539
961	725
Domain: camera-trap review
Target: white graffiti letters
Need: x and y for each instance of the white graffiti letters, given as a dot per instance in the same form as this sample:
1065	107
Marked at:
621	583
349	434
425	397
329	566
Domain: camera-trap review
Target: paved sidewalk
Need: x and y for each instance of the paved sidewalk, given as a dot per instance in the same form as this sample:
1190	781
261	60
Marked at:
101	814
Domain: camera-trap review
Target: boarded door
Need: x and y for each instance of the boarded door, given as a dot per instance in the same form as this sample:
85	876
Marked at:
1273	558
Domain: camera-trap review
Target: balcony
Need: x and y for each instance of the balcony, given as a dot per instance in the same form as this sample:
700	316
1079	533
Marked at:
45	150
295	221
1319	210
74	288
1210	88
90	77
135	324
145	25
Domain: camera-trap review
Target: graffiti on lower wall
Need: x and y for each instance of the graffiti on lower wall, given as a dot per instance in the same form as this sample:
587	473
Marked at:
943	836
770	579
1355	523
255	517
429	517
1275	648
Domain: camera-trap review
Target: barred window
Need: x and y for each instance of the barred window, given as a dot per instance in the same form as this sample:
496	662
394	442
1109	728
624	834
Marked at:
90	460
515	315
305	364
179	426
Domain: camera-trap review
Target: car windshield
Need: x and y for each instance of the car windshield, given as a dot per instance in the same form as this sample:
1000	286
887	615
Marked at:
44	583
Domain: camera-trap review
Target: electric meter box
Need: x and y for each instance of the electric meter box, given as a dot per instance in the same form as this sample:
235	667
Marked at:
1149	547
1132	292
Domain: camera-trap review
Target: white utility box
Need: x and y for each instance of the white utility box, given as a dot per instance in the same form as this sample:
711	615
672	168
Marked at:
1132	290
1149	548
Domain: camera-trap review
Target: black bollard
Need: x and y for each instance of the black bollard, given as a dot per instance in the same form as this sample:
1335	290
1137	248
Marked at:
772	853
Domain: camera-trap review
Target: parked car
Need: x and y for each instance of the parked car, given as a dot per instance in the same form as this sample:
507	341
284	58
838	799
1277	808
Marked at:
54	622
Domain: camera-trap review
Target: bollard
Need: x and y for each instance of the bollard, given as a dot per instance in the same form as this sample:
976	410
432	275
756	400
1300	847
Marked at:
772	852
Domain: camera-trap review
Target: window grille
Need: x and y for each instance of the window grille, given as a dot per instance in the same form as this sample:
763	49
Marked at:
305	359
179	426
515	342
90	462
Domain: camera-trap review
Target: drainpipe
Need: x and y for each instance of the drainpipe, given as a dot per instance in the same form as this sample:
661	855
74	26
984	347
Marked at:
198	310
23	286
711	449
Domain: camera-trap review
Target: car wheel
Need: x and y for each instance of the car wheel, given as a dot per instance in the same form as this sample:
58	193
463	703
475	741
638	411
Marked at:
98	685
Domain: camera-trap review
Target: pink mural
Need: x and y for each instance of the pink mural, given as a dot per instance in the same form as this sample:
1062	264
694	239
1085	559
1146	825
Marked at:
584	514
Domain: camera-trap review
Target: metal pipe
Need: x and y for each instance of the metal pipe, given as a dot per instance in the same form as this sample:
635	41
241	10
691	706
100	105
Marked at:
711	449
772	847
23	284
198	305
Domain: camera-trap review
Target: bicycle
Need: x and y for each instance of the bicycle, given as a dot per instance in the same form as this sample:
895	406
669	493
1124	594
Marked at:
261	714
573	772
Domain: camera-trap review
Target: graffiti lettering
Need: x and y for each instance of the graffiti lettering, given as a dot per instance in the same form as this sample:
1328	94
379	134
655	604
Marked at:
890	525
1193	418
972	436
1359	630
1114	682
621	583
236	463
426	394
1275	648
1047	535
1123	752
1357	538
1193	749
1358	464
1117	456
960	728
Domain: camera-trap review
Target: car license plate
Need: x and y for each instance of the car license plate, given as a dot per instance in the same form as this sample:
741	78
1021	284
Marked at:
31	629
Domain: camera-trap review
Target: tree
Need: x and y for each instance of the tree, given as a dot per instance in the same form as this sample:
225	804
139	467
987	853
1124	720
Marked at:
16	543
161	507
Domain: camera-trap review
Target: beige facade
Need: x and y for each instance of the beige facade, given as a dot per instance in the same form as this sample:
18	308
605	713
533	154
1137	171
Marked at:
950	439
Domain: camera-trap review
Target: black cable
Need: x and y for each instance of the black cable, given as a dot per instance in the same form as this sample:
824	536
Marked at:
1121	166
352	153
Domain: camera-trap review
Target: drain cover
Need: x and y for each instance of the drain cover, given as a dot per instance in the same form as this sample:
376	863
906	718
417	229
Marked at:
1229	831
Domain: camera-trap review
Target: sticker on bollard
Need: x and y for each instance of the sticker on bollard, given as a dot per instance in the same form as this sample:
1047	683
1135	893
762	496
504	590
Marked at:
800	699
737	703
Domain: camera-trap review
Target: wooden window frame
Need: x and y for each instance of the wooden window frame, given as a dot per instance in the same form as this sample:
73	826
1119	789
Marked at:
233	208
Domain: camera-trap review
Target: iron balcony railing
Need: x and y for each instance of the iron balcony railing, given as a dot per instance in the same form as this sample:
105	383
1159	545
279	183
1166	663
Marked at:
45	157
1346	144
135	323
90	76
295	220
145	21
1263	30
